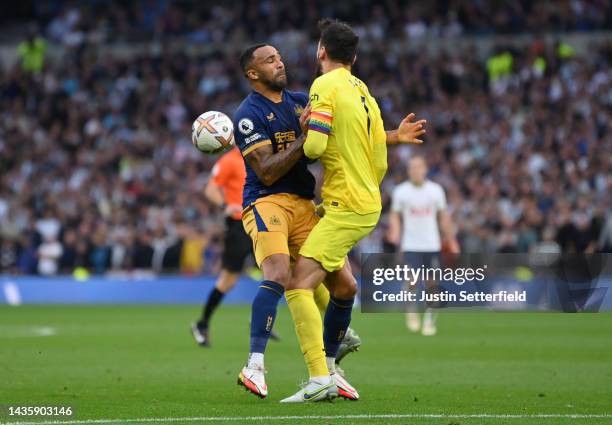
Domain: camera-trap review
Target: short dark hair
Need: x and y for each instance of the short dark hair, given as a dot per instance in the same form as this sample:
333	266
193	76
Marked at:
339	40
246	57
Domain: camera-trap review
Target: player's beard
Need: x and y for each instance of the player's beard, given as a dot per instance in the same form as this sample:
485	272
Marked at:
276	84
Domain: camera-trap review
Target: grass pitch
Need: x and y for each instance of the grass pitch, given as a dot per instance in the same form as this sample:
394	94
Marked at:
135	363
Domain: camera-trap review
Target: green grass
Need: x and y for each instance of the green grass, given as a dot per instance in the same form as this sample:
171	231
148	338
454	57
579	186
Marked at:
140	362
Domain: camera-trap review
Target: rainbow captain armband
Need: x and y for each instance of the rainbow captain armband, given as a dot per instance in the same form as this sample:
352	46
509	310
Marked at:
320	121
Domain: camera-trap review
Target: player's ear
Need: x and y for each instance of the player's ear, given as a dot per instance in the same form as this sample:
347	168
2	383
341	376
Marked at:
252	74
321	53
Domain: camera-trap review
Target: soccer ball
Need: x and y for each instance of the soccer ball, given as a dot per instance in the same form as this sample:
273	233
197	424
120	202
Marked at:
212	132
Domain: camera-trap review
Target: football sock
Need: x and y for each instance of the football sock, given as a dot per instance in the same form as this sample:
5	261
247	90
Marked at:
429	317
337	320
309	329
256	361
263	313
214	299
321	297
321	380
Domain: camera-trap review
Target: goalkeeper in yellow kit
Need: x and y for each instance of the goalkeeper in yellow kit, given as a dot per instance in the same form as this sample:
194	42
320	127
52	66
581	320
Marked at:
347	134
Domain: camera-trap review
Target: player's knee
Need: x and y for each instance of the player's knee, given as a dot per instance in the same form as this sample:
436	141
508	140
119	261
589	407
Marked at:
347	290
276	268
296	283
279	276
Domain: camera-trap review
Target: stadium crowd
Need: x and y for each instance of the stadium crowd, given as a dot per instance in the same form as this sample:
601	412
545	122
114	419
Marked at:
205	21
98	171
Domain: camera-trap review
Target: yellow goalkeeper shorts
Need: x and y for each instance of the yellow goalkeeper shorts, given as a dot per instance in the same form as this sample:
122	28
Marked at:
335	235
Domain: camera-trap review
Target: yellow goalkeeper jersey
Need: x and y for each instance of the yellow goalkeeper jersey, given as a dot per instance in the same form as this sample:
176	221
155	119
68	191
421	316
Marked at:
347	133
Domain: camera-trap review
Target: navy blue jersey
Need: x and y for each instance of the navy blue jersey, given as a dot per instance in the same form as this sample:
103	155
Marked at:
259	122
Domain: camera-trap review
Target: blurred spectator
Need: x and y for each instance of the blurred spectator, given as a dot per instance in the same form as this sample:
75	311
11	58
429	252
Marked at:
99	256
122	242
142	253
172	256
49	252
32	52
192	254
547	245
159	244
9	253
26	262
68	260
48	226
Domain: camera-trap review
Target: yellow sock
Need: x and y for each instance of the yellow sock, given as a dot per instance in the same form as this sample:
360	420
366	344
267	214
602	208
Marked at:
321	297
309	329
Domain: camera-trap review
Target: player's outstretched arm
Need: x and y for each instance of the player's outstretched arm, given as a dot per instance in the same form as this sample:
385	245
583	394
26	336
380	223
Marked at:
407	132
270	166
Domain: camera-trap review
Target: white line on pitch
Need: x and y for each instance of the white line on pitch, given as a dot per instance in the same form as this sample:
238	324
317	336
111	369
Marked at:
19	331
320	417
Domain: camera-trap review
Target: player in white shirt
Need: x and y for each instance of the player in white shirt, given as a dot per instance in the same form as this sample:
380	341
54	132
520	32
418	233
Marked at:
420	223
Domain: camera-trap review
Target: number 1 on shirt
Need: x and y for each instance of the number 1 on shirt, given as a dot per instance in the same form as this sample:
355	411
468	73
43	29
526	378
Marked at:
363	99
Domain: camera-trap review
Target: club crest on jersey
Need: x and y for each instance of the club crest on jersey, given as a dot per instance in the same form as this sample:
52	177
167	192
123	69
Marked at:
275	221
298	110
245	126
